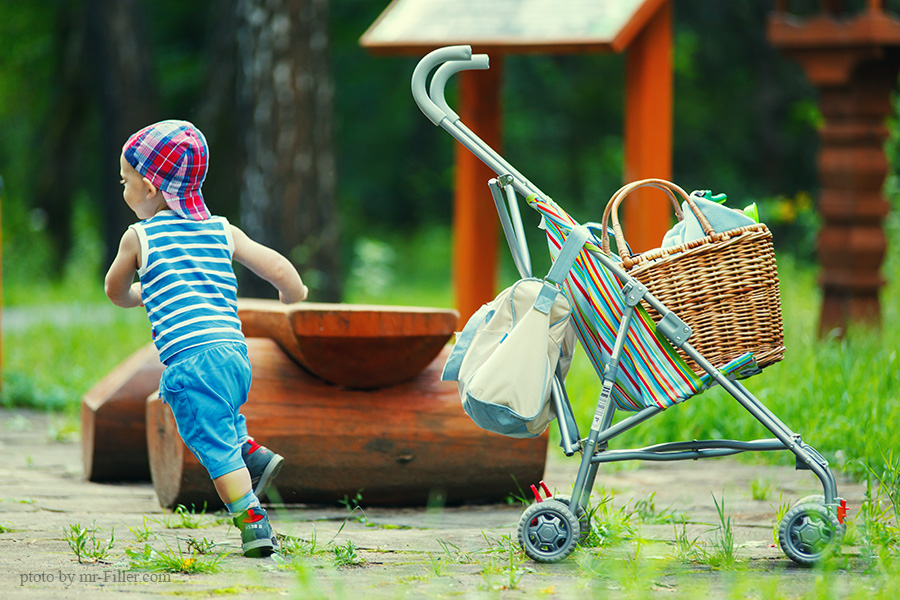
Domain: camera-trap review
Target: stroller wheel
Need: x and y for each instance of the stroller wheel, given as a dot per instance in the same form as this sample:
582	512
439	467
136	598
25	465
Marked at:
814	498
584	520
548	531
820	499
809	533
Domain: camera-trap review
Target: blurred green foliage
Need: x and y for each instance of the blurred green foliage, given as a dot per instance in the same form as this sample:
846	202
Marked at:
745	120
745	124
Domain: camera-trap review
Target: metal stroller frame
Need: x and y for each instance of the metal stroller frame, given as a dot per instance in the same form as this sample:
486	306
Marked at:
550	528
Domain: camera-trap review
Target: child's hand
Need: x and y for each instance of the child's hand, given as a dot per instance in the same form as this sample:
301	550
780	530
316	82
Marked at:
270	265
304	294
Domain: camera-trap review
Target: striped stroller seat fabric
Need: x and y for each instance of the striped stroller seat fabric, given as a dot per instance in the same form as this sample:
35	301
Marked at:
651	372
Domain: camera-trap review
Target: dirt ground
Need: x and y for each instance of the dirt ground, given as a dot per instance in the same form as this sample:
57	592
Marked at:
402	553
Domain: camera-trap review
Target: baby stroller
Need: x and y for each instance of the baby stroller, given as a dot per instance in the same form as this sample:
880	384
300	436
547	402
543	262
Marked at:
646	364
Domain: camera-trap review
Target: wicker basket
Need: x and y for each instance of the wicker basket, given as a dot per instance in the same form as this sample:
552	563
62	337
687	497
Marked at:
725	285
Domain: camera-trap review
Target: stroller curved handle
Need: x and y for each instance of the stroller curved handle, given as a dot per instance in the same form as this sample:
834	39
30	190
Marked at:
426	66
445	72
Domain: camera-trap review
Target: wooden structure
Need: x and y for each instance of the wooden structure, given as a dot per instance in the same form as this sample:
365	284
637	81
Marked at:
643	28
113	417
353	346
405	441
408	444
853	60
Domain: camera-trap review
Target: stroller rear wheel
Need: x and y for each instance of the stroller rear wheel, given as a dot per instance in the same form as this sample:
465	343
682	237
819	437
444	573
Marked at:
809	533
548	531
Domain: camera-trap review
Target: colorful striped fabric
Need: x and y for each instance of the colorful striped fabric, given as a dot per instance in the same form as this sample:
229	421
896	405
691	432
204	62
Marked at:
738	368
651	372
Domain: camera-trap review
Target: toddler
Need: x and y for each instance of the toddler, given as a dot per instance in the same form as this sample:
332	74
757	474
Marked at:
183	257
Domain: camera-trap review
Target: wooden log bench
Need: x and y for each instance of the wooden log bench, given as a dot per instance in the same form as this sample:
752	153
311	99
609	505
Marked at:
357	346
353	345
354	370
407	444
113	417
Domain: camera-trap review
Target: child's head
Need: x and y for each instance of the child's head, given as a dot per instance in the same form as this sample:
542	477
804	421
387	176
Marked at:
172	155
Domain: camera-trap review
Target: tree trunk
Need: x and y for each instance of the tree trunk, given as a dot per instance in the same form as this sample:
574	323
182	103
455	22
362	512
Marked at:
218	116
286	91
126	98
104	65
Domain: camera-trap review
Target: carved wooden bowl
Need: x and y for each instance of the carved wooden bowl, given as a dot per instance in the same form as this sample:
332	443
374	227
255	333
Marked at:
353	345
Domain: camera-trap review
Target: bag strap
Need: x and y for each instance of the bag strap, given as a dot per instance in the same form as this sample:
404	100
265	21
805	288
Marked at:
568	254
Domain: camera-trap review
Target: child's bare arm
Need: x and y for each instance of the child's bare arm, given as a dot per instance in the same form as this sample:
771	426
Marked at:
270	265
120	286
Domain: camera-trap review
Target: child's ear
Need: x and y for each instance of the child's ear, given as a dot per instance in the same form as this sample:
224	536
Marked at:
151	189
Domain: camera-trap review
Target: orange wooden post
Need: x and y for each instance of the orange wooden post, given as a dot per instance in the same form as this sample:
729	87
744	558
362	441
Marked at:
474	219
648	129
853	62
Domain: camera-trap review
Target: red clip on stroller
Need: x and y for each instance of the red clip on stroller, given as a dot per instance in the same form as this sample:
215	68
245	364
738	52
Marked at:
642	350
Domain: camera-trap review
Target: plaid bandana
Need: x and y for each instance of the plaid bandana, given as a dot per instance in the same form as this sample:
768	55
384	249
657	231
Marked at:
172	155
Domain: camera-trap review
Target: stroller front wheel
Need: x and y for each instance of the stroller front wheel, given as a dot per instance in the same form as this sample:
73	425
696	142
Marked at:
809	533
548	531
584	519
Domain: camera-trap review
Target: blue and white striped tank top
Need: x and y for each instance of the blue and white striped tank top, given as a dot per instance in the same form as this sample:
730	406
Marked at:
187	282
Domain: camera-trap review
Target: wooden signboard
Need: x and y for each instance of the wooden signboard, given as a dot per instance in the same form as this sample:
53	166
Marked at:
568	26
498	27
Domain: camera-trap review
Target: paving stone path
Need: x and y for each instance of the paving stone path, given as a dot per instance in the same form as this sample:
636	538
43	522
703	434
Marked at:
392	553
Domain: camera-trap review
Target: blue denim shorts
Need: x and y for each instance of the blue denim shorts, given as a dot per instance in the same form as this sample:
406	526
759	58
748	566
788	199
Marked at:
206	387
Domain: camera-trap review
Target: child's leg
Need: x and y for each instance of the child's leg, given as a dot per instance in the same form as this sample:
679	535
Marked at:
233	486
257	537
263	464
205	391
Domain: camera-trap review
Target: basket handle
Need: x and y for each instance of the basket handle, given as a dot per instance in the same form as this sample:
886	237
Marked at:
673	192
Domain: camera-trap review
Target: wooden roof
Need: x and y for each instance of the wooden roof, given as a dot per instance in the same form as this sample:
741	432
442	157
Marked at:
509	26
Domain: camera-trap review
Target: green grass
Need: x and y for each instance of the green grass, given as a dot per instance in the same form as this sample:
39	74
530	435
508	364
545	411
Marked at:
184	518
50	366
198	557
295	546
346	555
722	554
143	533
88	548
